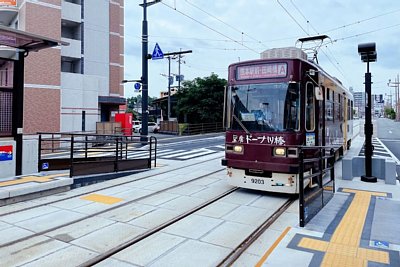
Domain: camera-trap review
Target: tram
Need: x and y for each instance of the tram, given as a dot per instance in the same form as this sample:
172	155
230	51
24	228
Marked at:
272	106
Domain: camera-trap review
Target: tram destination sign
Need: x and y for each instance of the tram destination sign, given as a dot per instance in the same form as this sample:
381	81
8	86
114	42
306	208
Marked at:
261	71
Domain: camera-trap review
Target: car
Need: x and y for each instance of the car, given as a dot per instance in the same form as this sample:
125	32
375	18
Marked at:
136	125
152	127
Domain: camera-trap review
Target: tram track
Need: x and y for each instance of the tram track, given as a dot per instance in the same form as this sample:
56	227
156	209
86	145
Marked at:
69	232
235	254
149	233
108	209
227	261
36	205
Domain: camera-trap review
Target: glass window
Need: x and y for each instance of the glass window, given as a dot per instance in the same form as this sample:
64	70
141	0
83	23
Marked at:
267	107
310	107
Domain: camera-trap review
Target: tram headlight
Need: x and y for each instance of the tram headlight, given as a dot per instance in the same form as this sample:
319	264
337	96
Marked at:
238	149
279	151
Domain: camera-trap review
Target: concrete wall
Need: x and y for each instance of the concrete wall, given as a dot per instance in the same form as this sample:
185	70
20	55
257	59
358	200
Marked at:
80	93
96	42
30	156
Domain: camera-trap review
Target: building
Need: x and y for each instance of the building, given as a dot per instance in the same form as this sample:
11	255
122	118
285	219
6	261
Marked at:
359	103
70	88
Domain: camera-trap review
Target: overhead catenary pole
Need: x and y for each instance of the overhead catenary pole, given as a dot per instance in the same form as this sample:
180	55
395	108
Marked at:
396	85
168	55
145	74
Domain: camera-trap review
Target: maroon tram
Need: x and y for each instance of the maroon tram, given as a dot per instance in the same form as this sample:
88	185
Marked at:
272	106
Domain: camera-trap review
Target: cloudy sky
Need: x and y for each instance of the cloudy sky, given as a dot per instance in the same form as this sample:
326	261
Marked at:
221	32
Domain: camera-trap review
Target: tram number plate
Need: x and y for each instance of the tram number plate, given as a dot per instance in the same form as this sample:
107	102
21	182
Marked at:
257	181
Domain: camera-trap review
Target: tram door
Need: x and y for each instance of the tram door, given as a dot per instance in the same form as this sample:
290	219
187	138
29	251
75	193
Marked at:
314	112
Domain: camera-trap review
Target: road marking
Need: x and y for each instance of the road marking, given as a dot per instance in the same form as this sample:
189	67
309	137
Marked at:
391	154
102	199
32	178
343	248
197	154
273	246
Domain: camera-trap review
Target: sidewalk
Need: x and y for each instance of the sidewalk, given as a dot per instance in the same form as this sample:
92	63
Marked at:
358	227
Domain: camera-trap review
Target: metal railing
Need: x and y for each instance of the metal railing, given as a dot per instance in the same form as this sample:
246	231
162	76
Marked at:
319	162
85	154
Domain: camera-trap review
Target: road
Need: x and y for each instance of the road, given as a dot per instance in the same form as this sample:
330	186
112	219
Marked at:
388	131
189	147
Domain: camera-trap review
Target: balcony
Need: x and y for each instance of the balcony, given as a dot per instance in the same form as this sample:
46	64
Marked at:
71	11
8	13
73	50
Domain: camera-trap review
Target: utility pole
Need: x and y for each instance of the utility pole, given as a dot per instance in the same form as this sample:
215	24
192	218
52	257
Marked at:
145	74
396	84
168	55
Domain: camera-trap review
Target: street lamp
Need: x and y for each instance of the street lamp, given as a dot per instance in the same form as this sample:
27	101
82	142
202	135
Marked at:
368	54
145	74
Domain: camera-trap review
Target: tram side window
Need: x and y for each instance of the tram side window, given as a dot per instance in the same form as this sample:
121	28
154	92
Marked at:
328	106
352	108
349	109
310	107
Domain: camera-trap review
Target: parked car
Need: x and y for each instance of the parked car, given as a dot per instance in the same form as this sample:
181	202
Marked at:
136	125
153	127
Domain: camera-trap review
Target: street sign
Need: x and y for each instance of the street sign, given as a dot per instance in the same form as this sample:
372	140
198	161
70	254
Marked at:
157	53
137	86
171	80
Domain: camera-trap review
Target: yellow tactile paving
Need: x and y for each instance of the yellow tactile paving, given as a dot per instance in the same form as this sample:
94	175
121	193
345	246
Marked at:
102	199
343	248
31	178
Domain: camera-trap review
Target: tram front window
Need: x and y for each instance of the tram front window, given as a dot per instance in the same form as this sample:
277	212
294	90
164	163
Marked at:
268	107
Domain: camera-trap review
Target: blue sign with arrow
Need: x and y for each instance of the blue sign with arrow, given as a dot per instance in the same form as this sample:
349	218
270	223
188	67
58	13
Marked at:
137	86
157	53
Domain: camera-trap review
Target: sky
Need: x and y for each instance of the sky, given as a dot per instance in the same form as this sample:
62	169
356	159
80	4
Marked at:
222	32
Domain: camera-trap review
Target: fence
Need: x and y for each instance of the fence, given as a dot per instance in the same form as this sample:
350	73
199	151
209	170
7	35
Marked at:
85	154
174	127
314	197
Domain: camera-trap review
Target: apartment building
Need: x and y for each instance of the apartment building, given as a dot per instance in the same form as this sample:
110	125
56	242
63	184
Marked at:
70	88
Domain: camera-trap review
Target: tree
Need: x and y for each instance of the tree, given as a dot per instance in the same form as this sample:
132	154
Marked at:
201	100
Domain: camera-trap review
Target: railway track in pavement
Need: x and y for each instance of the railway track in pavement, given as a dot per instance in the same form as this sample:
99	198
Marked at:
102	234
48	200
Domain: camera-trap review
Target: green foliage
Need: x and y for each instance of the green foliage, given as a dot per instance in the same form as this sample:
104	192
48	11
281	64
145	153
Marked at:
201	100
390	113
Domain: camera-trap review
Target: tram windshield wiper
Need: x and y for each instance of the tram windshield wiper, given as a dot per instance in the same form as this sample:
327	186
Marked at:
241	124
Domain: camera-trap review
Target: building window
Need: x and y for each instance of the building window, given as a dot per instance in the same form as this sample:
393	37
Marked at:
6	113
71	65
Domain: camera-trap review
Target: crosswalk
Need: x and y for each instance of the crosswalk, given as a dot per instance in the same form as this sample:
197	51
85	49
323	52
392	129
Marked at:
178	154
380	150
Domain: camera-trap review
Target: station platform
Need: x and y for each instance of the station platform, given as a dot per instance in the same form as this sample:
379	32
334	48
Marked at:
358	227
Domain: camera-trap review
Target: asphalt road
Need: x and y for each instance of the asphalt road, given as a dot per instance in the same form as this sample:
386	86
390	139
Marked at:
388	131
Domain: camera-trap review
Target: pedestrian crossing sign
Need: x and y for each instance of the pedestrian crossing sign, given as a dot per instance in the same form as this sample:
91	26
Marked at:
157	53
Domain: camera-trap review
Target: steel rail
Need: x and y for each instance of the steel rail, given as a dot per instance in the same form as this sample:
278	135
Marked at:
106	210
235	254
106	187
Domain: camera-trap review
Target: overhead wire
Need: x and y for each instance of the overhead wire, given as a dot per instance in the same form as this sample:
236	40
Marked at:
210	28
223	22
361	21
308	22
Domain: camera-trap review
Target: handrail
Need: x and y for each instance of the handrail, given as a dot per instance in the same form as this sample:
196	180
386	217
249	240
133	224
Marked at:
322	170
73	148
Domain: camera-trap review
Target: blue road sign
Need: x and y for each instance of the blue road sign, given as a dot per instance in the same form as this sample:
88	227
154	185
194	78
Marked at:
137	86
157	53
45	166
381	244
